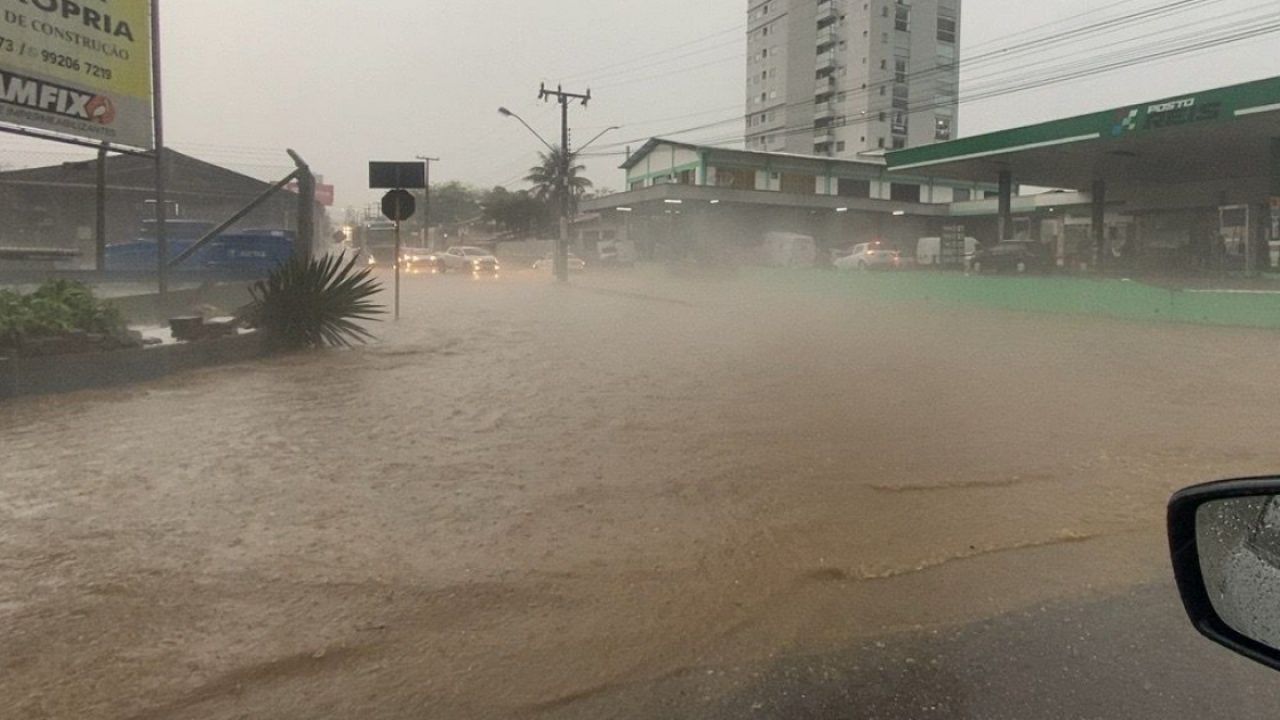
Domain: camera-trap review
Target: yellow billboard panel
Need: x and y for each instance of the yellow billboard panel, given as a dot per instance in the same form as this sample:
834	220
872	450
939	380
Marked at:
79	68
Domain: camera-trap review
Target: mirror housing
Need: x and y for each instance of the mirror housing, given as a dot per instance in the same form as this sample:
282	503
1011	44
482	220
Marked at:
1224	539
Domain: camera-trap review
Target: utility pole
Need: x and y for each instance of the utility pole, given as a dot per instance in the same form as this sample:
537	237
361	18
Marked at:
562	245
426	202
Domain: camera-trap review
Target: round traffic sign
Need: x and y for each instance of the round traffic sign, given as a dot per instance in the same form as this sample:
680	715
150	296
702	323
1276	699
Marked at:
398	205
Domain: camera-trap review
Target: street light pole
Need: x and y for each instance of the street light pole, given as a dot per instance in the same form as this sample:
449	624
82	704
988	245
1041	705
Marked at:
426	202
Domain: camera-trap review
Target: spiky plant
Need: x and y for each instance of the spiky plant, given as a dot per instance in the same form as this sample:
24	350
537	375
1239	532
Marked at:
315	303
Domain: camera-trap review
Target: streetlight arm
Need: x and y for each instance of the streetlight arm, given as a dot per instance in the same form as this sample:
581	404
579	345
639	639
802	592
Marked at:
604	132
510	114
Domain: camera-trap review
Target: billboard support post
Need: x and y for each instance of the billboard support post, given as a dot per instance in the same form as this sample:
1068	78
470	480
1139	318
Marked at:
306	240
162	240
100	224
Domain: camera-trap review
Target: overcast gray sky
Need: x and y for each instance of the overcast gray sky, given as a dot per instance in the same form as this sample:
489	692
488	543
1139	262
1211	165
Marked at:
344	81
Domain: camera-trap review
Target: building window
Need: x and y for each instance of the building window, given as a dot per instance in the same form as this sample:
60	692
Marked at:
880	142
961	195
900	70
942	129
840	146
637	184
899	143
849	187
904	193
946	29
902	18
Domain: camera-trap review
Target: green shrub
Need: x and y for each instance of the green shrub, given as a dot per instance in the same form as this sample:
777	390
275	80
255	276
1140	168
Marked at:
314	303
56	308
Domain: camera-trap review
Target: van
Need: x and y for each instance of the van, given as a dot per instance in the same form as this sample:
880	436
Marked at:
790	250
929	250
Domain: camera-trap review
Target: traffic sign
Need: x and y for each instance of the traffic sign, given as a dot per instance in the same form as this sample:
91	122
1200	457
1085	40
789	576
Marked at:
397	175
398	205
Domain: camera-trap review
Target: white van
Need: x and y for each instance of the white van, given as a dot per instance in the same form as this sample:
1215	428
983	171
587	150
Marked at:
929	250
790	250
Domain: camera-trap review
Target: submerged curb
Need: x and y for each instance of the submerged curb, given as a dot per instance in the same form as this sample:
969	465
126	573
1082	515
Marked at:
66	373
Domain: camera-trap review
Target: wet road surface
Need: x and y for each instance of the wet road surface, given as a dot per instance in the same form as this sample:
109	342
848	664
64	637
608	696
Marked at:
531	500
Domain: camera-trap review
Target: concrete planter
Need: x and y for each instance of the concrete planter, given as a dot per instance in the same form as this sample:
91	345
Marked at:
66	373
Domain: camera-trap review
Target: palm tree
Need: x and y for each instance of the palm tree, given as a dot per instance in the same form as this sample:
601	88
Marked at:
546	181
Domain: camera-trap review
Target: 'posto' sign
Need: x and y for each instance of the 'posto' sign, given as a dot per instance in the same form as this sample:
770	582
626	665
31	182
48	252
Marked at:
1172	113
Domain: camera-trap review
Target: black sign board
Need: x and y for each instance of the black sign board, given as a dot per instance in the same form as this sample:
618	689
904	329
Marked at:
398	205
397	175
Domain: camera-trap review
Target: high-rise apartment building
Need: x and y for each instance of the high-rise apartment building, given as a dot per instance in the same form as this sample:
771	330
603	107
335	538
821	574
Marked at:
841	77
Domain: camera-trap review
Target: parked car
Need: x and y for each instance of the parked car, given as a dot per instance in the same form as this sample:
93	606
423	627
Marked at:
469	259
576	264
870	256
1019	257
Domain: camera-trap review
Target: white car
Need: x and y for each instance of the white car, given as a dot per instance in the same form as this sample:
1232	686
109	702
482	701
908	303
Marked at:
576	264
870	256
469	259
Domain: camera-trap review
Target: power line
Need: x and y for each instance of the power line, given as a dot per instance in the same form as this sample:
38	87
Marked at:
1037	44
640	58
1202	45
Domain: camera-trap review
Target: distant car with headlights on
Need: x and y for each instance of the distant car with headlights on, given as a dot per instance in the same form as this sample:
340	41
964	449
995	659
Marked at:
576	264
420	261
870	256
469	259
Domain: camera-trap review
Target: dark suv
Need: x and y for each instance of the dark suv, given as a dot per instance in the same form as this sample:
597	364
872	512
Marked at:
1019	257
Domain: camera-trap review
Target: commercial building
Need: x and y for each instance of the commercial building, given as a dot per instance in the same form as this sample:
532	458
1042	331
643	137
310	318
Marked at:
1188	184
55	208
680	194
843	77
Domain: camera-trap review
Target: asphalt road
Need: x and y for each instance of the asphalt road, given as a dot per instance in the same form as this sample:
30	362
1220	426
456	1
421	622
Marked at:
645	495
1127	656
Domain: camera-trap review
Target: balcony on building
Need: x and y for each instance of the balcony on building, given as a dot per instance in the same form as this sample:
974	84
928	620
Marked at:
826	85
828	37
828	11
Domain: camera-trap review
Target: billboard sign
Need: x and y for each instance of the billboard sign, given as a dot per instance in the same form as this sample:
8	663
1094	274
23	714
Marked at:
78	67
397	175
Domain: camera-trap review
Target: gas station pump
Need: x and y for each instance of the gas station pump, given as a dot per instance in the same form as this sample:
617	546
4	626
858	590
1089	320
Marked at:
1235	247
1273	239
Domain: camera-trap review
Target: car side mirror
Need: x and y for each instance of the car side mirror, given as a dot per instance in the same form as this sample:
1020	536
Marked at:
1225	542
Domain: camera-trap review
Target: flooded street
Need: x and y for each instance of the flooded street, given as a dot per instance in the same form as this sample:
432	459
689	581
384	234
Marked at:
607	500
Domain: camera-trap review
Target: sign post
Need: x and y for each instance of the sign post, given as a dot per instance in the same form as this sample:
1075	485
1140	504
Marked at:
398	205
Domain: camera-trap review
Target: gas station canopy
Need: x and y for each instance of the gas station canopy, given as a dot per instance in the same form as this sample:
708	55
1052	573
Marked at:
1219	134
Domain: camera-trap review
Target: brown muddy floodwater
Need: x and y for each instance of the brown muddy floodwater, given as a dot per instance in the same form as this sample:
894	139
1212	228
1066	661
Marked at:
527	495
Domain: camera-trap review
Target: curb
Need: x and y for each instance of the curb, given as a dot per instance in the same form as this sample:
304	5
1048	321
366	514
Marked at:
21	377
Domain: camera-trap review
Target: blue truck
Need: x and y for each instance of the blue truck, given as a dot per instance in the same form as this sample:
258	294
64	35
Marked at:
245	252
